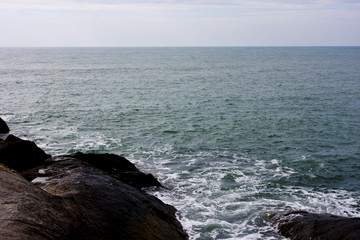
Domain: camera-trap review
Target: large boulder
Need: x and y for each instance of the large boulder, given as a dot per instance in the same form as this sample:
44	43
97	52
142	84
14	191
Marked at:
3	126
302	225
72	199
20	154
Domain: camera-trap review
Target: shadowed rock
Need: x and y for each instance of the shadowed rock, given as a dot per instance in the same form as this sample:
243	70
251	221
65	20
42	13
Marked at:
71	199
301	225
20	154
120	168
3	126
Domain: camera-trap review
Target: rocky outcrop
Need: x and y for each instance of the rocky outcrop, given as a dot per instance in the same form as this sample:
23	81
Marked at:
69	198
301	225
3	126
78	196
20	154
120	168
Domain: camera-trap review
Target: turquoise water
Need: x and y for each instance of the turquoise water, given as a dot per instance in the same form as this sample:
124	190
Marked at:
233	133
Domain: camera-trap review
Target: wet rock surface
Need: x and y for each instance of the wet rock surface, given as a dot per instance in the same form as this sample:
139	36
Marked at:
301	225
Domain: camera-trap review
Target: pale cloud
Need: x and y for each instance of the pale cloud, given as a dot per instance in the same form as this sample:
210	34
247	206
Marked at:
178	22
168	5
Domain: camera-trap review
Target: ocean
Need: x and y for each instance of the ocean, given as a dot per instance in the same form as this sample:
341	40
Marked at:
233	133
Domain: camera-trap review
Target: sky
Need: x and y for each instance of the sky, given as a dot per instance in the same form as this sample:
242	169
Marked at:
136	23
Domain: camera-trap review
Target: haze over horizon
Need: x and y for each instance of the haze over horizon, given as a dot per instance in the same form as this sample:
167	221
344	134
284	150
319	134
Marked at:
125	23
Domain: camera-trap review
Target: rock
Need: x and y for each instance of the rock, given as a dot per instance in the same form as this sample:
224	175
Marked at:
108	162
70	198
27	211
20	154
79	196
120	168
301	225
3	126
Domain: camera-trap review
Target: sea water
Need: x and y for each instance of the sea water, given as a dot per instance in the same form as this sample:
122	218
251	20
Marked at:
232	133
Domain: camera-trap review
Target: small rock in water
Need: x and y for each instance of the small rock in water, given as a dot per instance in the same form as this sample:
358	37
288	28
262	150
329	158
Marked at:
302	225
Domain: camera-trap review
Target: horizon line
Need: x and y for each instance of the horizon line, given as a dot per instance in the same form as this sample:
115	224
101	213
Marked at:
180	46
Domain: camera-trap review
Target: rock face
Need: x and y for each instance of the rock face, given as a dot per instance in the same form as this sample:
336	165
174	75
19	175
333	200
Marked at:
79	196
301	225
20	154
120	168
26	210
3	126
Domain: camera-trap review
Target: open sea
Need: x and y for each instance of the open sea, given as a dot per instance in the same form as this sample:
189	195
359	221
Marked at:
233	133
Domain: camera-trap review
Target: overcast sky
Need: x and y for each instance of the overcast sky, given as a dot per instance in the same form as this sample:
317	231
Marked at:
179	23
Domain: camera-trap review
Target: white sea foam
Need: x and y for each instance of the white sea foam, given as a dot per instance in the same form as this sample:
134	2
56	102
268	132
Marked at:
237	194
40	180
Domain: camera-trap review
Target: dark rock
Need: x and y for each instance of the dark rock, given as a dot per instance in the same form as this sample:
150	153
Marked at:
20	154
3	126
107	162
301	225
120	168
139	179
71	199
27	211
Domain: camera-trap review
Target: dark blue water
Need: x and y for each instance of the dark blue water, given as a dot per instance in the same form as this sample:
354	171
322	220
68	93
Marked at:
232	132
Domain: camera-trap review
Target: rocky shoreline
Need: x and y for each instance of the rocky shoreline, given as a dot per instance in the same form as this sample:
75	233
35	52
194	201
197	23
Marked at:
78	196
99	196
